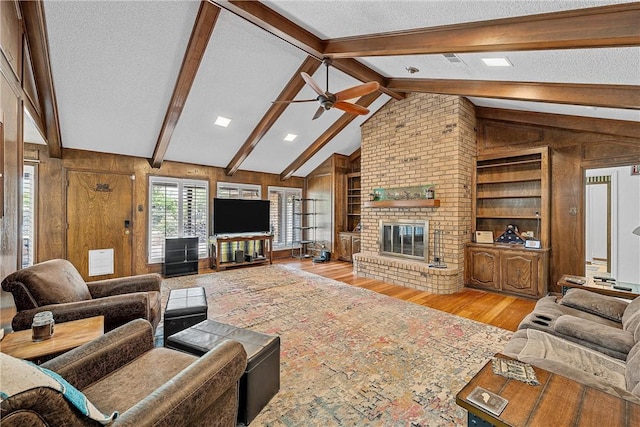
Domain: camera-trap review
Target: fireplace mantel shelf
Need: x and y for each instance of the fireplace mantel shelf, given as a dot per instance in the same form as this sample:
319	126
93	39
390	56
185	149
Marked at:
419	203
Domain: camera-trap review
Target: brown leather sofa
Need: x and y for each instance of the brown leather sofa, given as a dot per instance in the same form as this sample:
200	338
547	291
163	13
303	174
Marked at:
122	371
57	286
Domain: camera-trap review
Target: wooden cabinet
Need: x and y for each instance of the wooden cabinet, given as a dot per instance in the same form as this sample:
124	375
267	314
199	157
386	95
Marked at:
348	244
11	35
180	256
482	267
507	268
513	188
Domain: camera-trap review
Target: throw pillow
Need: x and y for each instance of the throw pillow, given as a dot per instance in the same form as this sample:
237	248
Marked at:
19	376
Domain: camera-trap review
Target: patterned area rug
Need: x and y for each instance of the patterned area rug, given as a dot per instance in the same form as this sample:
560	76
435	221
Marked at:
350	356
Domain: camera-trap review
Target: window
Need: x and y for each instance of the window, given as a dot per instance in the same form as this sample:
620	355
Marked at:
228	190
28	214
285	229
178	208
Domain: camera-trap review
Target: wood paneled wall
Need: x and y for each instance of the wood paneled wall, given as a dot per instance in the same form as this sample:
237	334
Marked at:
11	122
575	144
52	206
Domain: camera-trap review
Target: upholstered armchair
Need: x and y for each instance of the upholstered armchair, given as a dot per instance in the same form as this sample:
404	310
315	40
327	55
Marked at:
57	286
123	372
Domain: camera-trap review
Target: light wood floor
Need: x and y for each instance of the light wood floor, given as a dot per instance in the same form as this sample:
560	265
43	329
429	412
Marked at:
494	309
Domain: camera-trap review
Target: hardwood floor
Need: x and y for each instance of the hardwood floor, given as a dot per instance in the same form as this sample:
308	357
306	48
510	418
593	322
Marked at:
494	309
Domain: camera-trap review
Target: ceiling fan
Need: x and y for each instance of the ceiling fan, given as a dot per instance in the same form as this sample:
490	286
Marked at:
339	99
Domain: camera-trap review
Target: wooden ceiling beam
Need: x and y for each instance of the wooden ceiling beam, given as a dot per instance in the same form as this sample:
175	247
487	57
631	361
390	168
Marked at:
296	83
598	27
356	70
36	34
583	124
613	96
327	136
200	35
276	24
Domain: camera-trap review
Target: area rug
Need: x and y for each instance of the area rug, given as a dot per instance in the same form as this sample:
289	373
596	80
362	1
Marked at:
350	356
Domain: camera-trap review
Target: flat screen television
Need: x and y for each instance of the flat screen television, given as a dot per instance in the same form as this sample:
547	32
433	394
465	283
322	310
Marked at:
233	216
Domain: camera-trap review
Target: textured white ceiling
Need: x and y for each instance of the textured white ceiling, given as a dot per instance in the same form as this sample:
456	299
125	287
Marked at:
342	18
243	70
114	67
115	64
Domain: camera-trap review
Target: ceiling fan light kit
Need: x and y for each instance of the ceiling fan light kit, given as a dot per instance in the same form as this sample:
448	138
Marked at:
328	100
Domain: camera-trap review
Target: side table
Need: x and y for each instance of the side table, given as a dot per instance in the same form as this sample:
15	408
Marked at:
66	336
557	401
604	288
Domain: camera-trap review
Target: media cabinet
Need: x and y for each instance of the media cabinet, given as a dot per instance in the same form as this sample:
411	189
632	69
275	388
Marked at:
253	249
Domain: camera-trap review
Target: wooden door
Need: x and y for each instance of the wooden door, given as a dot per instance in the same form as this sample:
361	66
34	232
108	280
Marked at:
99	218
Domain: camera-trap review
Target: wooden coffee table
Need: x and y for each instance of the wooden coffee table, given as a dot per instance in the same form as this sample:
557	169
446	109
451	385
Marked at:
557	401
66	336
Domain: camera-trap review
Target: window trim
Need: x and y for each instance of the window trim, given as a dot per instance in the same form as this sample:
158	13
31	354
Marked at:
181	182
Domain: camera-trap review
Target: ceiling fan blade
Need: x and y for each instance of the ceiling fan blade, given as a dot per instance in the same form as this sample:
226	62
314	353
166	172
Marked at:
307	78
357	91
318	113
293	101
351	108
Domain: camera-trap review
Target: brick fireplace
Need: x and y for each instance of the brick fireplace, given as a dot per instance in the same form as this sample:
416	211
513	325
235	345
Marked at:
422	139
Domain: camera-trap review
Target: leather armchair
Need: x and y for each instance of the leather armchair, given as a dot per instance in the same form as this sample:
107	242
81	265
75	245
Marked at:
57	286
122	371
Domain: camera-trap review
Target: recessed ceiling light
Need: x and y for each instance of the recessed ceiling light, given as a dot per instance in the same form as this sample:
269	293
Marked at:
222	121
290	137
497	62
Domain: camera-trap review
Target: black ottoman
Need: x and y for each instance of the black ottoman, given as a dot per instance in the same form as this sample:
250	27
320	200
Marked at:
185	307
261	380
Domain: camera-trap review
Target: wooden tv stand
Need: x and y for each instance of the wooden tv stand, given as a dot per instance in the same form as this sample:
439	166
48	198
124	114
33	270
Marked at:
224	248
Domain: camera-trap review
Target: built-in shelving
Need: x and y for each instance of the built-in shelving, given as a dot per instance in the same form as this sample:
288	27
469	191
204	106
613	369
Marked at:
513	188
354	200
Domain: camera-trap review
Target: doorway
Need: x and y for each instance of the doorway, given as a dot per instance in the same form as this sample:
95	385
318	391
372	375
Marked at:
611	247
99	225
598	223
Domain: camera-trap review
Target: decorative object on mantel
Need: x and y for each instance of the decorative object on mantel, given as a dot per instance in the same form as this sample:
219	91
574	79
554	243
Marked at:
511	236
418	192
417	203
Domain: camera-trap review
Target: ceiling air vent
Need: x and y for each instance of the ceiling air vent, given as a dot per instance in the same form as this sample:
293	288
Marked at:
453	58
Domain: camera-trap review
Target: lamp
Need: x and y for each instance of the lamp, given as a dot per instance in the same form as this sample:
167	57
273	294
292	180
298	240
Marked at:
636	231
